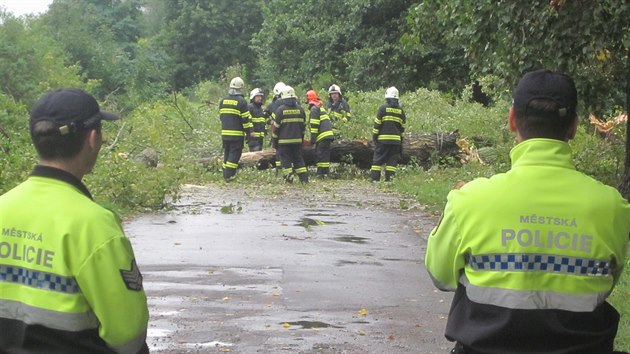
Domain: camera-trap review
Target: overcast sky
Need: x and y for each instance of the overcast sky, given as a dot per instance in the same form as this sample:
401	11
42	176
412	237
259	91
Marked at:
22	7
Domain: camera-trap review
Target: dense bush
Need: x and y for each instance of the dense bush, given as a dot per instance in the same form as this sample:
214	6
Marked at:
181	129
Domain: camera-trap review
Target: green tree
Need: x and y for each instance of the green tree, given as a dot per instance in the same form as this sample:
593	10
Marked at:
353	42
204	37
590	40
100	36
31	62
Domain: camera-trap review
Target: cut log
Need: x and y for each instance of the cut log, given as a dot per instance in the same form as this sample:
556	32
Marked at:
422	149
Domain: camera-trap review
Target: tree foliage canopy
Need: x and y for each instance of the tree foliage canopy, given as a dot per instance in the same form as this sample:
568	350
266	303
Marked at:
590	40
203	38
353	42
144	48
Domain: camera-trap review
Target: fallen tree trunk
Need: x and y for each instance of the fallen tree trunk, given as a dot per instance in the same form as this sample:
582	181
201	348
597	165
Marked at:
422	149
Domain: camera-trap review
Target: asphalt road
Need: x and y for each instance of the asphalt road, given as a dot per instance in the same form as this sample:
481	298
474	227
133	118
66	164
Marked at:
227	271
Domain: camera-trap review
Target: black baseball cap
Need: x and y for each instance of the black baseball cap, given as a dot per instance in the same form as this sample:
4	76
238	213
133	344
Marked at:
70	110
547	85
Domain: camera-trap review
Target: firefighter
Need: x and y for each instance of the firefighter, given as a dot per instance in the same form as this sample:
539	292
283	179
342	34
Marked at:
269	111
321	132
235	126
255	109
533	253
69	282
389	125
271	107
338	107
289	124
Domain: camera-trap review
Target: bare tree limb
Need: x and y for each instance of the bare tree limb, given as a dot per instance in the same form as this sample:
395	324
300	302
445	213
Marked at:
113	144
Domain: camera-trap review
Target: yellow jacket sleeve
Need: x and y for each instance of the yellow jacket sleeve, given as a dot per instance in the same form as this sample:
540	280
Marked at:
112	284
443	260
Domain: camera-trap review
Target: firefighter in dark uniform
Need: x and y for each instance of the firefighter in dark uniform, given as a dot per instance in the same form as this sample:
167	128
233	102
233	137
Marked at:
69	282
269	111
271	107
389	125
255	109
321	132
338	107
235	126
289	123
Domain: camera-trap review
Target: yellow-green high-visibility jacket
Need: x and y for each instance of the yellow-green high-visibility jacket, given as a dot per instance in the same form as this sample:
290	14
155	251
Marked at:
69	282
532	254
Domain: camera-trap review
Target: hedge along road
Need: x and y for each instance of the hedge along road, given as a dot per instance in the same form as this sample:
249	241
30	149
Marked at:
342	272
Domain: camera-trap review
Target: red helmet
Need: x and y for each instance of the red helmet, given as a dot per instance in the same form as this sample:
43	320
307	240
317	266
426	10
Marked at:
311	96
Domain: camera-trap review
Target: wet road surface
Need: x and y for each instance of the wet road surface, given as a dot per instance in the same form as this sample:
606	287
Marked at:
226	271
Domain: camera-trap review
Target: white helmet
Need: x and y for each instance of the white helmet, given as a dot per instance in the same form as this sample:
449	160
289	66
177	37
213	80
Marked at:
278	88
287	92
391	92
334	88
237	83
256	92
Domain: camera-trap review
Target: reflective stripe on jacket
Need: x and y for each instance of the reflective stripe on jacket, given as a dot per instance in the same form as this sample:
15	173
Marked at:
66	265
290	122
389	124
321	126
235	118
338	110
541	241
258	119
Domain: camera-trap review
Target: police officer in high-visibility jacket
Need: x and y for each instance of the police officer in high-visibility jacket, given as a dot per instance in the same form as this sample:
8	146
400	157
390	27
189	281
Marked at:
69	282
255	142
289	123
389	125
533	253
321	132
235	126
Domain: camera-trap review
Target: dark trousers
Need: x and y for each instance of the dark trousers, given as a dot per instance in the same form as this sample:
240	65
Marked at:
460	349
292	161
255	144
232	151
388	155
322	151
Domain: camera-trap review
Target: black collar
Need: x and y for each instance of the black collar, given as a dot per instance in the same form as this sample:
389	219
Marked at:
52	172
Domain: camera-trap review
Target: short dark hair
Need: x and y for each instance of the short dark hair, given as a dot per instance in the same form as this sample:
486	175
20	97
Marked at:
545	104
52	145
532	125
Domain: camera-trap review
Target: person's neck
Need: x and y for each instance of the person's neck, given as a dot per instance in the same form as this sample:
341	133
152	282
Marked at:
65	166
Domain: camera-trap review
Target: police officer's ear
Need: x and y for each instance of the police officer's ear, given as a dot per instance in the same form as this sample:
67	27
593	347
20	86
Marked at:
512	124
94	139
512	120
573	128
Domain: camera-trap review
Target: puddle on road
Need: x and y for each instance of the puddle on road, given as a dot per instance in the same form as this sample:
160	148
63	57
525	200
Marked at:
342	263
311	324
319	214
351	239
213	344
158	332
307	222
